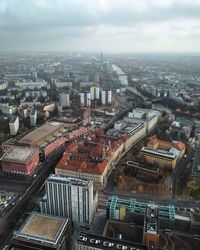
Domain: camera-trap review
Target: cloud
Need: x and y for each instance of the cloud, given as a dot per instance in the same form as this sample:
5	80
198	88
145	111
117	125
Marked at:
45	23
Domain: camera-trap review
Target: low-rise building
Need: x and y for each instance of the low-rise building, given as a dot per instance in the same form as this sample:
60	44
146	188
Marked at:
86	241
20	161
41	231
163	153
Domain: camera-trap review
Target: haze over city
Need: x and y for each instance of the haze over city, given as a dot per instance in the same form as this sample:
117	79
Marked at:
113	26
100	124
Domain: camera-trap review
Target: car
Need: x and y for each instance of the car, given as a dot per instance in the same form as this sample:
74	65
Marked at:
108	244
121	247
82	238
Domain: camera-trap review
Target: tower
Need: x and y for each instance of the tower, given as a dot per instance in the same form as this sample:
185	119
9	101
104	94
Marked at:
69	197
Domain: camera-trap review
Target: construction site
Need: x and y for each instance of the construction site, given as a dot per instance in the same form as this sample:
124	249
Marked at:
134	174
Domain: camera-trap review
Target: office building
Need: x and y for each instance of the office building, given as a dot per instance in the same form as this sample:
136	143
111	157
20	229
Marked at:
121	209
14	125
163	153
70	197
41	232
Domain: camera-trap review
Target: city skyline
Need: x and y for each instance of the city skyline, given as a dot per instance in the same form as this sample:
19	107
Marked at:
101	25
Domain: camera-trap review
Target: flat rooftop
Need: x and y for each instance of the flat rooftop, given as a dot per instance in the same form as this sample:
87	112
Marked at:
21	154
36	136
99	242
42	227
68	180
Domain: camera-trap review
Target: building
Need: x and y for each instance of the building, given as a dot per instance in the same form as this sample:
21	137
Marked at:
3	86
32	85
85	99
33	118
106	97
61	85
94	93
86	241
91	159
8	110
35	93
48	137
163	153
149	116
14	125
151	226
76	134
181	129
196	163
20	161
64	99
34	75
42	231
70	197
124	209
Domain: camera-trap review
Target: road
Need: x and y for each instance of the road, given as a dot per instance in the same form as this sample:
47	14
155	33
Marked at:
22	206
180	168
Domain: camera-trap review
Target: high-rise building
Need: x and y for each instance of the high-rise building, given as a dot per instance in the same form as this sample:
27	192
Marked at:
85	99
33	118
64	99
70	197
34	75
94	93
14	125
106	97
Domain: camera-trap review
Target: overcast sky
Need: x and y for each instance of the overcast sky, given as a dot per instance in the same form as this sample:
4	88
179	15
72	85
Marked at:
100	25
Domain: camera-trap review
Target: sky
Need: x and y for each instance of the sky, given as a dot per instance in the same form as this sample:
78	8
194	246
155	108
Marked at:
110	26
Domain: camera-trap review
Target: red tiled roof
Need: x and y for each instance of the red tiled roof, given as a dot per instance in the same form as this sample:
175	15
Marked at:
72	146
85	167
180	146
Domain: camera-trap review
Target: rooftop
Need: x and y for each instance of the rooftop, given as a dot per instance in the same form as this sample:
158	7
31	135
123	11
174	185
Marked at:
21	154
41	227
13	119
68	180
37	135
99	242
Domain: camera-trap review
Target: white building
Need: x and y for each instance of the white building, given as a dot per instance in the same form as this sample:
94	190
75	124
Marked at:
3	86
8	110
63	84
64	99
33	118
70	197
94	93
36	93
32	85
106	97
14	125
85	99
